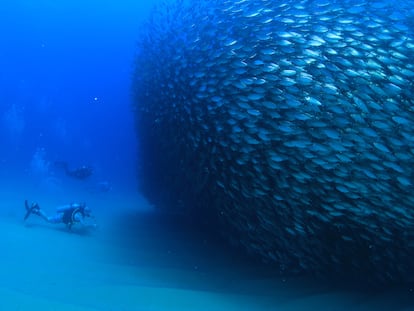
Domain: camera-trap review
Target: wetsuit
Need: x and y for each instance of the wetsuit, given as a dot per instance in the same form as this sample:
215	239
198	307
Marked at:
68	214
72	215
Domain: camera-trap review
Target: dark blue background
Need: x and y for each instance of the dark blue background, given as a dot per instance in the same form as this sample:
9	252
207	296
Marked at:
65	70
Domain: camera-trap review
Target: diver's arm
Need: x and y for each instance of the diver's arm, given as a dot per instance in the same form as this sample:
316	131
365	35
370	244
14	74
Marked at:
81	221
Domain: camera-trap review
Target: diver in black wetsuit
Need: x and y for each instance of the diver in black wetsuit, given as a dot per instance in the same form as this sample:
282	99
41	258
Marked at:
80	173
70	214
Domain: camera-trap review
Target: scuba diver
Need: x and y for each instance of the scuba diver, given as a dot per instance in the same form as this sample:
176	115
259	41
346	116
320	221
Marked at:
83	172
70	214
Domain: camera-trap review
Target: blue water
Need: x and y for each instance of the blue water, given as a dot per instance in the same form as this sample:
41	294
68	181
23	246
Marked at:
65	95
65	84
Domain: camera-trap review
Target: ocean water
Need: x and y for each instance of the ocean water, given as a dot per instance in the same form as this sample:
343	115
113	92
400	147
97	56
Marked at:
65	97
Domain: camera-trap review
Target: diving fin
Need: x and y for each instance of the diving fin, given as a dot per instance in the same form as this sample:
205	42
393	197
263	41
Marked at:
29	210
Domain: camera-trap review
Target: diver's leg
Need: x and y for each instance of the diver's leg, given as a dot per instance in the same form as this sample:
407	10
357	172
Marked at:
34	208
55	219
37	211
43	215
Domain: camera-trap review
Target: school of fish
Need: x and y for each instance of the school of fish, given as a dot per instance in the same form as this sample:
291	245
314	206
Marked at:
292	120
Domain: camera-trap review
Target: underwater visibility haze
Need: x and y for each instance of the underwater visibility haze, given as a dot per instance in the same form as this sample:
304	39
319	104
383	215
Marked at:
65	81
207	155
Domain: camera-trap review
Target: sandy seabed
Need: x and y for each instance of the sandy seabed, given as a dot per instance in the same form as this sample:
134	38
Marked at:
140	260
